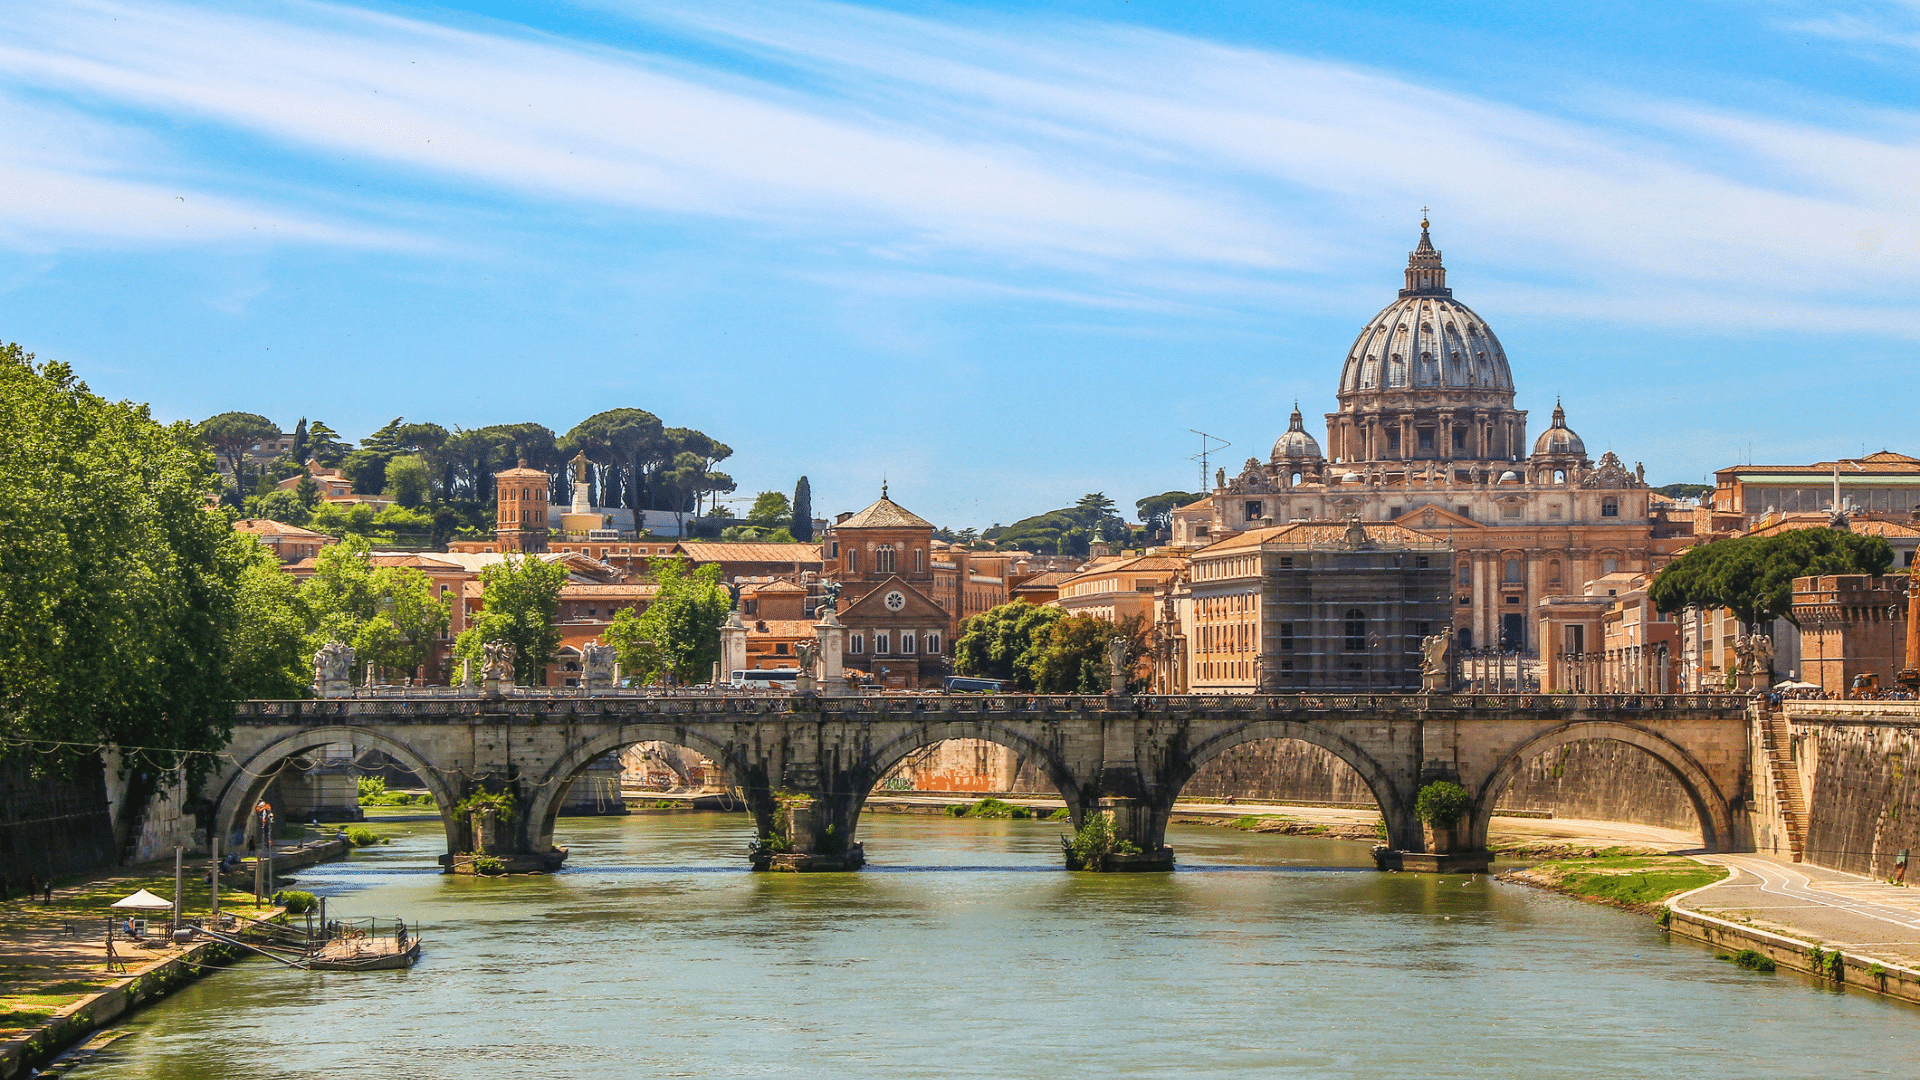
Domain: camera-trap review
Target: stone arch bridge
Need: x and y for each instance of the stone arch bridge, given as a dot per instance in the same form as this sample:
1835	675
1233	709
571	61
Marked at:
805	764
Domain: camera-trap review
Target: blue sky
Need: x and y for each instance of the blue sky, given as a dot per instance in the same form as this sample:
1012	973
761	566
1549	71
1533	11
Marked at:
1000	254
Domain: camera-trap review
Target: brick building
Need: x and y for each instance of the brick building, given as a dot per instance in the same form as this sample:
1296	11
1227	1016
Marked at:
1851	625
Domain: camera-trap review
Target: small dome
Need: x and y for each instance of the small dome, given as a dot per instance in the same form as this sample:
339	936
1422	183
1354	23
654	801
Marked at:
1350	478
1296	444
1509	477
1559	440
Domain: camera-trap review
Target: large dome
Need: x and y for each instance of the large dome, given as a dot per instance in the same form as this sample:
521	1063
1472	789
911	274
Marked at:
1425	339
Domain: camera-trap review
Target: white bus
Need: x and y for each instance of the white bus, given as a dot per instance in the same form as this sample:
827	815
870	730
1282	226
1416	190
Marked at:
765	679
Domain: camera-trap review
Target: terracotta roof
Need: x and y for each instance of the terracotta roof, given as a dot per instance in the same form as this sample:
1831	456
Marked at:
1205	502
779	628
885	514
1863	526
1048	580
418	562
749	551
268	527
1323	534
577	591
777	587
521	471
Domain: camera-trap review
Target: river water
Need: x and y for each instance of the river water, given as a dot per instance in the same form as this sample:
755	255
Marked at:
963	950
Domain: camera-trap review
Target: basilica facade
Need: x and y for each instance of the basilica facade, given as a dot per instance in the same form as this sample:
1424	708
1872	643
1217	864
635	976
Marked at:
1426	436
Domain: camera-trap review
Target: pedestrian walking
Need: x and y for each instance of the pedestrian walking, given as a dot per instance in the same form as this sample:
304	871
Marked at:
47	886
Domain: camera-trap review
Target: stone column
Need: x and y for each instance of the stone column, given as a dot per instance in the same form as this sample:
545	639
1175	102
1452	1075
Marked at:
733	646
832	637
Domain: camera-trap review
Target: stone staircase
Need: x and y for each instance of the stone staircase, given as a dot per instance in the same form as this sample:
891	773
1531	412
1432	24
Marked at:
1777	739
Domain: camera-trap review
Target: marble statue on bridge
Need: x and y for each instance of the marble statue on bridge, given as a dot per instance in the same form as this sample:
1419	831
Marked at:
333	670
1433	663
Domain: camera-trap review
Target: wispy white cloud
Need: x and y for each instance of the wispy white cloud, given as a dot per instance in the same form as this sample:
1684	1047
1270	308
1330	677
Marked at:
1121	161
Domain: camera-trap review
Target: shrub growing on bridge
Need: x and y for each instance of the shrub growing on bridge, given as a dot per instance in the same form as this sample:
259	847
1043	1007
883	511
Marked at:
1441	804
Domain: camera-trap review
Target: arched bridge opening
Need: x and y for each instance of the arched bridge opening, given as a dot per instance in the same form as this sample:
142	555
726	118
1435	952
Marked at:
655	766
958	761
1282	758
1607	770
253	773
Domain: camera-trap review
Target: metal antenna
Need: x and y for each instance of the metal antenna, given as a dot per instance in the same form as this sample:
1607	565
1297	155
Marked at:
1201	457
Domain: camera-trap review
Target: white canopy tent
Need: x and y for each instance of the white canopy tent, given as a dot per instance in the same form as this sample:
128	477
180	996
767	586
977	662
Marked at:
142	901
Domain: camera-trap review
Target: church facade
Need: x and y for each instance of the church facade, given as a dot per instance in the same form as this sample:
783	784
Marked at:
1426	436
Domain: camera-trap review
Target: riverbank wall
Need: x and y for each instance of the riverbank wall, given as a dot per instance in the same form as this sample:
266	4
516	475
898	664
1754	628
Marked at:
1861	972
21	1056
1855	766
1598	780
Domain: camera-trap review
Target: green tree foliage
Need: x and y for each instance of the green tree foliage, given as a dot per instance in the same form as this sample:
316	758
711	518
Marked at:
678	636
771	510
1683	491
754	534
519	598
325	446
118	606
268	644
308	491
802	527
389	614
231	434
1156	511
624	444
1004	643
1073	657
1067	531
283	506
408	481
1753	575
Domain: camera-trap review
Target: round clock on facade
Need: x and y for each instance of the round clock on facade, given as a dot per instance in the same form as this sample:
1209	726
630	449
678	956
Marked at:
895	600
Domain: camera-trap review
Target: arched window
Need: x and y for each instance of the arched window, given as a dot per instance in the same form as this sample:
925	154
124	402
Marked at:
906	642
1559	476
883	559
1513	571
1356	629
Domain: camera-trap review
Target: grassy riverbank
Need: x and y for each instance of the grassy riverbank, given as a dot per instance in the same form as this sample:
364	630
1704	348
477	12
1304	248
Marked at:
1621	877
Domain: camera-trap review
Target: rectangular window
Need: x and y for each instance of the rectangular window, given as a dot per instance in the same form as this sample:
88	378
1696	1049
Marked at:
1424	630
833	549
1609	507
1426	439
856	643
853	561
1459	438
1253	509
1286	668
1421	562
1286	562
933	643
1466	573
1464	511
881	643
906	642
1393	440
1510	510
1286	637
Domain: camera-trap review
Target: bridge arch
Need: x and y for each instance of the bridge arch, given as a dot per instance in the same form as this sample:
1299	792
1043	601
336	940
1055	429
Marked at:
252	777
1402	832
867	774
1709	805
550	788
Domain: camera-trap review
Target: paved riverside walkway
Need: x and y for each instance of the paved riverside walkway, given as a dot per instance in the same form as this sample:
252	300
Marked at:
1830	908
